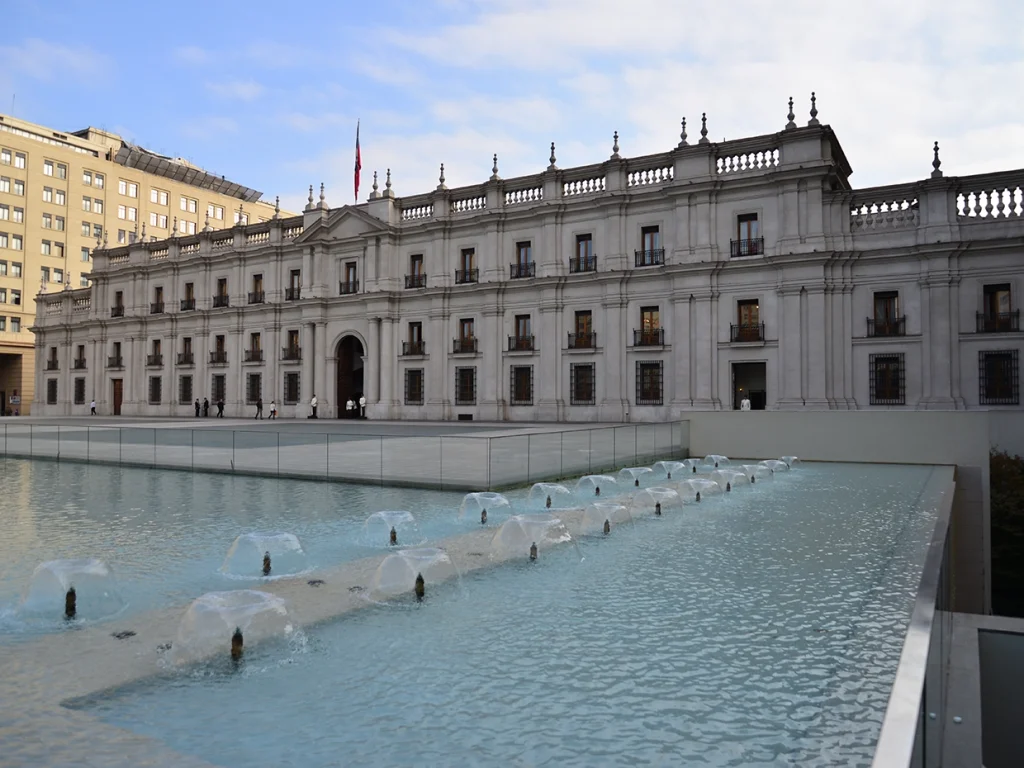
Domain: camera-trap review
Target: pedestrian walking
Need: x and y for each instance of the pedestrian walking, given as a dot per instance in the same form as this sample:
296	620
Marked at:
92	407
206	407
220	408
259	408
350	409
362	406
273	409
312	405
197	407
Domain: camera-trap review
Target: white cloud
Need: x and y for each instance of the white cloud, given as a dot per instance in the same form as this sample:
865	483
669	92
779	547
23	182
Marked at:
207	128
48	61
192	55
240	90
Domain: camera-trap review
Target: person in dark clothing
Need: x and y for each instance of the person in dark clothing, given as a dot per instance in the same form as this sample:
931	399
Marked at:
259	408
220	408
206	406
197	407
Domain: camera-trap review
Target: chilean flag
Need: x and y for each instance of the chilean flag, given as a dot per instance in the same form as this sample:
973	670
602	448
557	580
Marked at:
359	163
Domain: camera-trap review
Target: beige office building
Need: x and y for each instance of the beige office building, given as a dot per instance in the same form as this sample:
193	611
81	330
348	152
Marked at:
63	193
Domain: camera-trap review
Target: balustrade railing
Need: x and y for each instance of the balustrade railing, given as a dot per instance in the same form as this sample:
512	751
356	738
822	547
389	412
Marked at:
347	287
587	186
583	265
415	212
650	258
523	269
412	348
761	160
649	337
416	281
466	204
527	195
466	276
998	322
870	216
887	326
464	346
751	246
520	344
582	340
745	332
644	177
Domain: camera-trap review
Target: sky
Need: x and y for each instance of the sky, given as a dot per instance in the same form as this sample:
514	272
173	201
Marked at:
268	94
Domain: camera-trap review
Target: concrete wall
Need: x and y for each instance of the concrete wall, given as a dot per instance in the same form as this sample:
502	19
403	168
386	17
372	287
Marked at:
917	437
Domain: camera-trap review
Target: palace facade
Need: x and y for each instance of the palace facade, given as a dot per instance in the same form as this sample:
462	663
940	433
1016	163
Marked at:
634	289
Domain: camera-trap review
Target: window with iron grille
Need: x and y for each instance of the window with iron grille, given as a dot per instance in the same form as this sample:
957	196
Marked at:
887	385
648	383
465	386
218	388
581	384
998	378
414	386
291	388
521	384
156	386
51	391
79	391
253	388
185	390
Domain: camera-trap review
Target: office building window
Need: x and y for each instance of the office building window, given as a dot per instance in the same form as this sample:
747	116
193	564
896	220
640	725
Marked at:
15	325
521	385
59	198
48	168
47	192
291	388
998	377
58	276
44	274
18	216
62	171
47	221
19	159
97	231
4	242
648	383
98	181
17	243
5	157
15	269
465	386
5	212
45	247
122	212
58	223
886	382
85	254
133	214
87	204
86	228
97	206
83	281
414	386
87	178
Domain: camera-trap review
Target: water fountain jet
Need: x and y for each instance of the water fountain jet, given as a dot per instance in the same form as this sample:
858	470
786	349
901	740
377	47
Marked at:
549	496
237	645
266	563
420	588
398	573
655	500
596	485
393	538
483	517
533	551
634	474
607	527
70	604
84	588
602	514
392	528
474	505
518	532
249	613
257	553
668	467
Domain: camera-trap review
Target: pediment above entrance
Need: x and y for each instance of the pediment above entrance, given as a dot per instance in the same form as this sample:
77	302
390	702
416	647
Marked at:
343	224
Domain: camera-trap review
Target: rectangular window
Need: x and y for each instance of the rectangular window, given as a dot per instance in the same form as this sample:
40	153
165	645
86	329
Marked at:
185	390
222	286
218	387
747	228
414	386
58	276
241	218
416	264
161	221
58	223
466	329
97	206
47	167
3	323
19	215
155	389
651	239
581	384
122	237
584	247
122	187
887	379
886	320
79	391
44	274
15	324
3	295
3	268
583	322
291	388
465	386
15	269
51	391
17	243
47	193
414	346
153	195
5	212
133	214
5	157
5	185
58	196
253	388
45	247
87	178
749	326
86	228
98	180
468	259
122	212
19	159
524	253
3	240
218	212
998	378
648	383
58	250
62	171
521	385
83	281
152	219
47	221
97	231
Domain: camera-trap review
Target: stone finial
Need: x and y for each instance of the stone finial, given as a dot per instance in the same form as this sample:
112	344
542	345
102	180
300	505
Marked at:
703	128
99	237
174	228
277	208
494	169
387	180
143	232
791	117
440	180
936	173
323	199
682	134
241	216
104	239
615	146
207	226
814	110
309	200
375	190
552	166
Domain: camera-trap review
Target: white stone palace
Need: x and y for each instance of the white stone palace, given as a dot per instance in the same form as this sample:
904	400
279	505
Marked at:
634	289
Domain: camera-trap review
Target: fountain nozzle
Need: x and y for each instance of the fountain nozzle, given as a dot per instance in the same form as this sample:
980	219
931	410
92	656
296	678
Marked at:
636	482
753	479
698	497
394	536
695	469
607	527
266	563
547	503
657	508
597	490
237	645
669	476
483	517
421	587
70	604
533	551
728	487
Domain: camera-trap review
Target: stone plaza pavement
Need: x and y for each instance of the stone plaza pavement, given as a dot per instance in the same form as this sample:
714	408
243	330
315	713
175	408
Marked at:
423	454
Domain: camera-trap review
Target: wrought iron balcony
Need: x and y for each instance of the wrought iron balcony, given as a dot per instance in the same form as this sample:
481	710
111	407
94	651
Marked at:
186	358
467	276
752	246
585	340
52	365
292	294
221	301
887	326
465	345
257	297
413	348
346	287
520	344
651	258
188	305
415	281
254	355
156	308
998	322
649	337
524	269
155	361
117	311
746	332
79	364
115	361
583	265
219	357
291	353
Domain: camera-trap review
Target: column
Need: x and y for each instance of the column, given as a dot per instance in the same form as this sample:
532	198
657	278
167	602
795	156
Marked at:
92	361
545	366
680	373
816	360
307	272
615	403
703	340
67	377
490	390
307	388
372	364
273	355
790	346
235	382
437	395
848	390
387	366
320	370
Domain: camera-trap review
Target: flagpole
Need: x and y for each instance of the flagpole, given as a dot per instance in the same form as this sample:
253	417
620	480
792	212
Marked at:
358	166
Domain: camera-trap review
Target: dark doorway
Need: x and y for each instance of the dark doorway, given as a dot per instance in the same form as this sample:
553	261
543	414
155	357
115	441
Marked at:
117	395
749	380
350	375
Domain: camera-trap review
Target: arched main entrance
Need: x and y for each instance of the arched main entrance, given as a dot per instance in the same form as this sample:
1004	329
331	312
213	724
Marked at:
350	374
